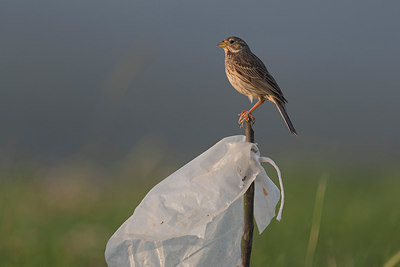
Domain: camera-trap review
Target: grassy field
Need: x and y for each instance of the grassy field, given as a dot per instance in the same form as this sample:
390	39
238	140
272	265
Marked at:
64	216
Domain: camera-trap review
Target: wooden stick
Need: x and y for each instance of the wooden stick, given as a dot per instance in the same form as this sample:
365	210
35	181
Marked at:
247	241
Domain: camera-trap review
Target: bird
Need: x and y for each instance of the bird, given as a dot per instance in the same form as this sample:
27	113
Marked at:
249	76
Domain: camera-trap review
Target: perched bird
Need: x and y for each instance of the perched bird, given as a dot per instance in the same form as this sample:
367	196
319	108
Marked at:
249	76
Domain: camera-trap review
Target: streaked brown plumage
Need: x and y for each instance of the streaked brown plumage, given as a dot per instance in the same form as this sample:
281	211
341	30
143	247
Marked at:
249	76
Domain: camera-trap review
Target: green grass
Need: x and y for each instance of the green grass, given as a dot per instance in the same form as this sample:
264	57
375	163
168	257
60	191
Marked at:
65	216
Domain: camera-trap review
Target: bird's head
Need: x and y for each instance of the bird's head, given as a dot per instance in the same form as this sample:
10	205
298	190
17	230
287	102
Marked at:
233	44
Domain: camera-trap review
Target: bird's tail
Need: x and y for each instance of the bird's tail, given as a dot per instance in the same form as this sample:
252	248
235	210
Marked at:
285	116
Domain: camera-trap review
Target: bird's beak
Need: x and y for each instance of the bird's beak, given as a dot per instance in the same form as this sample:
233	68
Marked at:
222	44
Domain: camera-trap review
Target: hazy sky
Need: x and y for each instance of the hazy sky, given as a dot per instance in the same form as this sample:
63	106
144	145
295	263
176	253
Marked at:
75	74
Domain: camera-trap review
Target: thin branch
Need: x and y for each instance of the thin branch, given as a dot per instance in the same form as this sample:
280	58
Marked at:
247	242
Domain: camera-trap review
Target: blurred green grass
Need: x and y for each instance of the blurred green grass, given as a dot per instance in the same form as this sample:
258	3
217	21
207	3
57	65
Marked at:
64	216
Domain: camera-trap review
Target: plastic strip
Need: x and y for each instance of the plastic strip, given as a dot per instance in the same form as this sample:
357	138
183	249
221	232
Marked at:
270	161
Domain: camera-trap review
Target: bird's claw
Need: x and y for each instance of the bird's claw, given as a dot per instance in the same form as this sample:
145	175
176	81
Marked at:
246	116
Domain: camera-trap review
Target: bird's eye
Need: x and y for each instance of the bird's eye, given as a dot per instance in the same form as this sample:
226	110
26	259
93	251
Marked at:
231	41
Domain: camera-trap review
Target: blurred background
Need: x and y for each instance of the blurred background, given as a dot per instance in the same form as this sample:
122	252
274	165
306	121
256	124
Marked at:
100	100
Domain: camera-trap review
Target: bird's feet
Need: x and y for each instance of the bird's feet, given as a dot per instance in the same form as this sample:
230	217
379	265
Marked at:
246	116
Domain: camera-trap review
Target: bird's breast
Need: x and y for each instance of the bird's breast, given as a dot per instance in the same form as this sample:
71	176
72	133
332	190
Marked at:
237	83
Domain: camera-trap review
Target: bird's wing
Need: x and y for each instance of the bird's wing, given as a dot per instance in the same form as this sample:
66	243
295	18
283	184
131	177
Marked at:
253	70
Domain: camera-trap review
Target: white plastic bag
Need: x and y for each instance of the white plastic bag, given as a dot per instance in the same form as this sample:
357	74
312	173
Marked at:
194	217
